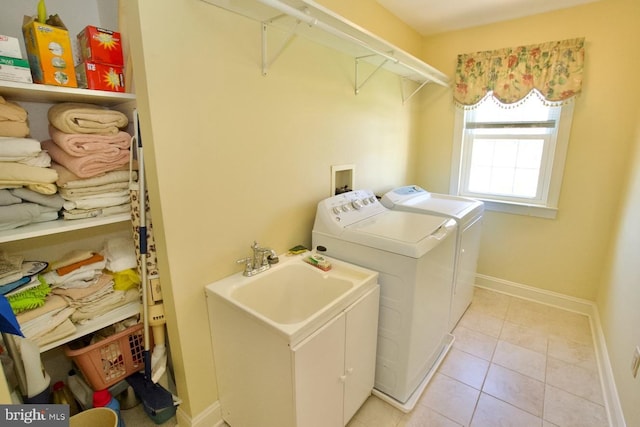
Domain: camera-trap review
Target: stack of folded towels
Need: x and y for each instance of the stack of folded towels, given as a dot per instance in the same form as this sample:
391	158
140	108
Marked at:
82	285
27	183
88	146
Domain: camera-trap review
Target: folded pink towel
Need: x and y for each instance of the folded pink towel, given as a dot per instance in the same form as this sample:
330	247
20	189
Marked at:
78	144
89	165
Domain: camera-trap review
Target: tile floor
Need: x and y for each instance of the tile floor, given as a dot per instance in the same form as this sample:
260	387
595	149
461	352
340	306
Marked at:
514	363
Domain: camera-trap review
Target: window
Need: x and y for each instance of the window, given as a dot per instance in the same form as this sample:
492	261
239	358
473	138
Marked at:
512	157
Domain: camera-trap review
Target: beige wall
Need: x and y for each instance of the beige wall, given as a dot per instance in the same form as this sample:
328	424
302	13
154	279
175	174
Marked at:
619	297
234	156
564	255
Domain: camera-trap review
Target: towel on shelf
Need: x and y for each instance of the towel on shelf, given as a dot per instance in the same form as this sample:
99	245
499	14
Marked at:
75	296
95	258
42	160
15	149
11	112
41	326
96	202
45	216
85	272
78	145
67	179
79	193
7	198
120	253
71	117
13	120
14	129
86	166
50	200
63	330
14	216
52	303
112	301
97	212
71	257
41	180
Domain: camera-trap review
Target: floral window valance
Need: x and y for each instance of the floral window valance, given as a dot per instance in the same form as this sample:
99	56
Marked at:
554	69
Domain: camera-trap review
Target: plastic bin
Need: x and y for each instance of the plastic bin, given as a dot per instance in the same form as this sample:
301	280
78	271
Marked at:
94	417
111	359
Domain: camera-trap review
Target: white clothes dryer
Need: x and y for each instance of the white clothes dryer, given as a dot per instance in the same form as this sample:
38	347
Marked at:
414	256
468	215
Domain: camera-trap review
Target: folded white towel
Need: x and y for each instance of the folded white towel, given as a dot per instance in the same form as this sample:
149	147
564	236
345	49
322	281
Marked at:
95	202
14	149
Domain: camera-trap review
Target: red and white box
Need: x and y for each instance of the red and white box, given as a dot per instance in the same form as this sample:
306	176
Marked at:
93	75
100	45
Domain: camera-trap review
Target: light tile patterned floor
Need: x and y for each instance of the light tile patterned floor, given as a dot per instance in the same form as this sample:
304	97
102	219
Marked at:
514	363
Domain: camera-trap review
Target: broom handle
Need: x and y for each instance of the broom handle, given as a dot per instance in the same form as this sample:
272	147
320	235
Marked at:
143	239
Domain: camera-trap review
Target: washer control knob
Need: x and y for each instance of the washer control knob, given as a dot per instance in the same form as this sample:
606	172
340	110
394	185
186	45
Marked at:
336	210
365	201
357	204
346	208
372	199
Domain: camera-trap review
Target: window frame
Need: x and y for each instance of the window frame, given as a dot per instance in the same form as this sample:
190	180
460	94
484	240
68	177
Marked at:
546	204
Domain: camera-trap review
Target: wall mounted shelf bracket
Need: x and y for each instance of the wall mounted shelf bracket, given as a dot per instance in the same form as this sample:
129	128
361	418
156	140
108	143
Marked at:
407	98
290	35
357	61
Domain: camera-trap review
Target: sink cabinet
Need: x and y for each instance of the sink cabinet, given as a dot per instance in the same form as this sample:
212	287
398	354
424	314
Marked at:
319	381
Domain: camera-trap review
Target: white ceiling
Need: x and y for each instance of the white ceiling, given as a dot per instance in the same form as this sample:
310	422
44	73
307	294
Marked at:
436	16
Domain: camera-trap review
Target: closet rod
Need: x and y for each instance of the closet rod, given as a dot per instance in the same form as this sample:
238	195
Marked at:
313	21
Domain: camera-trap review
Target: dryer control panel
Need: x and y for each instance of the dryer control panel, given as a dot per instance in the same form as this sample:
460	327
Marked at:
348	208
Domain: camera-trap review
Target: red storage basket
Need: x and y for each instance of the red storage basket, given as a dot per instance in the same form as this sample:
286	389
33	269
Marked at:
112	359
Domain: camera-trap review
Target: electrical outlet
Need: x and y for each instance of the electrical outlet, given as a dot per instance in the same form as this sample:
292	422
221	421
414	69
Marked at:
635	363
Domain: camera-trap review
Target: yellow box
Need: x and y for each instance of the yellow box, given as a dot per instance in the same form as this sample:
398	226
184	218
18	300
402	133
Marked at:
49	53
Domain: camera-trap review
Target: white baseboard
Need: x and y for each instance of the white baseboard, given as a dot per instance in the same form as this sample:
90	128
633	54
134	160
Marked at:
578	305
210	417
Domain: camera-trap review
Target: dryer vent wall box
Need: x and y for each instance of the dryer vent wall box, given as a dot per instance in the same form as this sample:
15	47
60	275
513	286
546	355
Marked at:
342	179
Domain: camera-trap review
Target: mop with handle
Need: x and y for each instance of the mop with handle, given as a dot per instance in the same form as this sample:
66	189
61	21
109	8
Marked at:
153	396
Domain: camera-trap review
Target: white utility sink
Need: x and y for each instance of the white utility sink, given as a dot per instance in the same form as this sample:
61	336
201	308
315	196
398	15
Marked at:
294	297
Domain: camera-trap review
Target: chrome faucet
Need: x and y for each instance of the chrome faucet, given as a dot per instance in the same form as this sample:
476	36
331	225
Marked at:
260	260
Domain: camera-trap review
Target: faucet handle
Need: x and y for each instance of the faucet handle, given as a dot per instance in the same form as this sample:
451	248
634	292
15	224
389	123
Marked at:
247	264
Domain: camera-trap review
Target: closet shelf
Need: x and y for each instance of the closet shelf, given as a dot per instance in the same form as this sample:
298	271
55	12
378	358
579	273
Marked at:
58	226
33	92
315	22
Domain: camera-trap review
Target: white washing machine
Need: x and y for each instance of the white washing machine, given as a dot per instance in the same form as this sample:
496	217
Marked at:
468	215
414	256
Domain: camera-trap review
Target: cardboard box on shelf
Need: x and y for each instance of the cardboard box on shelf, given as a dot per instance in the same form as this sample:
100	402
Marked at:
100	45
15	70
92	75
10	47
49	53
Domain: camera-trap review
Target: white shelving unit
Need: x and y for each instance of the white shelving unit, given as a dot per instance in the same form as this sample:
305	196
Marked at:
317	23
46	94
